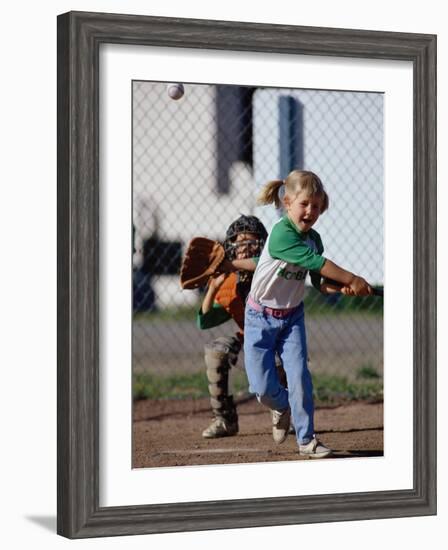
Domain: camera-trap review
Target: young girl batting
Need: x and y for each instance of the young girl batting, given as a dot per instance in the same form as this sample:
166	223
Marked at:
274	314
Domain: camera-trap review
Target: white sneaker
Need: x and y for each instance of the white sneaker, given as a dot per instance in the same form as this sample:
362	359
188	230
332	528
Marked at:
280	425
220	428
314	449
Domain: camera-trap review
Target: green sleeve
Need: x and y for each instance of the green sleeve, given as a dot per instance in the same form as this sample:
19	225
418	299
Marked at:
216	316
285	243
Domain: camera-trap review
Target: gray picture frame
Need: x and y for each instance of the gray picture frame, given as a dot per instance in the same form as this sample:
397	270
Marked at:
80	35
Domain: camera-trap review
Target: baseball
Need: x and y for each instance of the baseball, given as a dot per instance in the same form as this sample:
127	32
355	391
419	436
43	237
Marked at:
175	91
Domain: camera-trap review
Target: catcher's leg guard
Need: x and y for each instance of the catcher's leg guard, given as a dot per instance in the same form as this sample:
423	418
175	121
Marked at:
220	355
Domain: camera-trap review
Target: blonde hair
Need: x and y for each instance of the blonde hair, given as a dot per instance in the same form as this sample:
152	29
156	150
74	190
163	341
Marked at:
296	182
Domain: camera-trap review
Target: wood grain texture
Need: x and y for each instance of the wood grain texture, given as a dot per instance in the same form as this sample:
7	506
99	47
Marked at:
79	37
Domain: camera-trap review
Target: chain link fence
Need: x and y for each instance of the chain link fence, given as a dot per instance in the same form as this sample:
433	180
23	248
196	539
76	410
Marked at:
198	163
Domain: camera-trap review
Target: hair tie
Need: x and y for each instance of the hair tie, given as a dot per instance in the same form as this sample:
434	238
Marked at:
282	191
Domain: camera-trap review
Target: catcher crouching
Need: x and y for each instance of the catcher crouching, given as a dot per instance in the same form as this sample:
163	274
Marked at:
225	299
227	291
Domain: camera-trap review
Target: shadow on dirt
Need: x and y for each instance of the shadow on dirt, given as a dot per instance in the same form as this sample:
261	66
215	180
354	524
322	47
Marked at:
351	430
356	453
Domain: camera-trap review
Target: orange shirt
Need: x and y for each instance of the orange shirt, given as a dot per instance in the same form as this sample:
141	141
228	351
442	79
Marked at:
228	298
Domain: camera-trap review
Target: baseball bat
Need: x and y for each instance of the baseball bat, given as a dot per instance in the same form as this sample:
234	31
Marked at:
378	290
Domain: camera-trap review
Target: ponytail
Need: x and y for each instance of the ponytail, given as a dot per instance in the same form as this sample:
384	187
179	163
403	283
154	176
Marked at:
270	193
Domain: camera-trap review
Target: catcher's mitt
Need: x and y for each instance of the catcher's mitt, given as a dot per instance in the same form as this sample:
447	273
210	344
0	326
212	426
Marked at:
201	260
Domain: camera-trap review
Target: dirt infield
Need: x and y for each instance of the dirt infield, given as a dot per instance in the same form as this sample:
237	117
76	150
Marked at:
168	433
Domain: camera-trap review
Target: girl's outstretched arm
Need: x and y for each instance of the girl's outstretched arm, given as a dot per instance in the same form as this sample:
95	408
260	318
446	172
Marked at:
352	284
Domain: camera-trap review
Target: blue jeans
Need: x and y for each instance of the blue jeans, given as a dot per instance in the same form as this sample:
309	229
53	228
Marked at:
265	335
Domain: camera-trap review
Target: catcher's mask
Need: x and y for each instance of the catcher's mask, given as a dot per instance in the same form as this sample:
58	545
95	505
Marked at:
244	224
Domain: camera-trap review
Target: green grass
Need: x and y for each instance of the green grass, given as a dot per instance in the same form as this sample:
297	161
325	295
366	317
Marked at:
187	313
327	389
367	372
319	304
180	386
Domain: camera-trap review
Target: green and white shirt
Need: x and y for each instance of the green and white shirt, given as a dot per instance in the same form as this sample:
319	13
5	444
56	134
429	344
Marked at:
279	280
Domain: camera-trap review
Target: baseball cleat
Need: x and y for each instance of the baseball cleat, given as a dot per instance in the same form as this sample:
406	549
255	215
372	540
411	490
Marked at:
314	449
280	425
220	428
